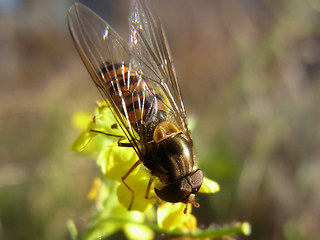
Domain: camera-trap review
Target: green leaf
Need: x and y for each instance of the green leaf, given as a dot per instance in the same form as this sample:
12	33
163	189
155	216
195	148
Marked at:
72	229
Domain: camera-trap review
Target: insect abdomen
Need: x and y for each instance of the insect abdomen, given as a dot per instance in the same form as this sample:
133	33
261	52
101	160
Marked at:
143	107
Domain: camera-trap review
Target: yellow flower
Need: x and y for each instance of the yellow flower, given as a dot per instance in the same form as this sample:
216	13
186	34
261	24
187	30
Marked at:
115	162
113	216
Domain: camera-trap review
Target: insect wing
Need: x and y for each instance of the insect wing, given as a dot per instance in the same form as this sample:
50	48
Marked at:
151	56
101	47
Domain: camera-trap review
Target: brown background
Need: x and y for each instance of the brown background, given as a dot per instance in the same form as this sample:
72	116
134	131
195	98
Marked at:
250	78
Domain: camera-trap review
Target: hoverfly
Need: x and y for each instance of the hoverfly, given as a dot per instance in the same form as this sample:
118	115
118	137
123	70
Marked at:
139	84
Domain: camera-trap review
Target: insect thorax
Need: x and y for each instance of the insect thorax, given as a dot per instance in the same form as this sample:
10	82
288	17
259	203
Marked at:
170	156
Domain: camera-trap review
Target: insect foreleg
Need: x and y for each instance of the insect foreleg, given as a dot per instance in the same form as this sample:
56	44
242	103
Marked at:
108	134
119	142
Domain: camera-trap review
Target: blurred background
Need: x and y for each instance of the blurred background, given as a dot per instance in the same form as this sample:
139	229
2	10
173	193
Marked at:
250	76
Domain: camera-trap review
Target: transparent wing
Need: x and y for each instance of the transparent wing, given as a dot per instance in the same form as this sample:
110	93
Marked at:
153	83
151	56
100	47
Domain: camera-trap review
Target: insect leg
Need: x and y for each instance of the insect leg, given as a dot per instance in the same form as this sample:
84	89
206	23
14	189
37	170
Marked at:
121	138
108	134
136	164
148	189
124	144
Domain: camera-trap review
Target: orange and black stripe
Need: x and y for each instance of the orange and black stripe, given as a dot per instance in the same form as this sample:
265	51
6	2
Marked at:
143	105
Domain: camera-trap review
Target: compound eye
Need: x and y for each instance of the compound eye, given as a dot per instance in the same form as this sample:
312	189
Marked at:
196	180
178	191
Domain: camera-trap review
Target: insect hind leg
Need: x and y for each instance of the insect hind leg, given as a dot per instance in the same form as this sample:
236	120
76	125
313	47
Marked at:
146	196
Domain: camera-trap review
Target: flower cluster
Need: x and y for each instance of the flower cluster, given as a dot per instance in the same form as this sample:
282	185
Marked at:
99	137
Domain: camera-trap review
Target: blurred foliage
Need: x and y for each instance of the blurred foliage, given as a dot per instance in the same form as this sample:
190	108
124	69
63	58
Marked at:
249	74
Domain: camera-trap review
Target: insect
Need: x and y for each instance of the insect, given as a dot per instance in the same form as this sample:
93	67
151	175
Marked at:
139	84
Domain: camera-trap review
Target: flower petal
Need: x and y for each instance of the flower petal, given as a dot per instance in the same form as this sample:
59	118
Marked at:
138	182
94	191
209	186
133	231
81	120
171	215
116	161
190	223
82	141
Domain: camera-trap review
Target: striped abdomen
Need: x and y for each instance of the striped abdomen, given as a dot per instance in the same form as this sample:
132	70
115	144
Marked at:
134	97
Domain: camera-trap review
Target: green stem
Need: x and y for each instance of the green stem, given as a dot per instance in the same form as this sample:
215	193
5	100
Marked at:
231	229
